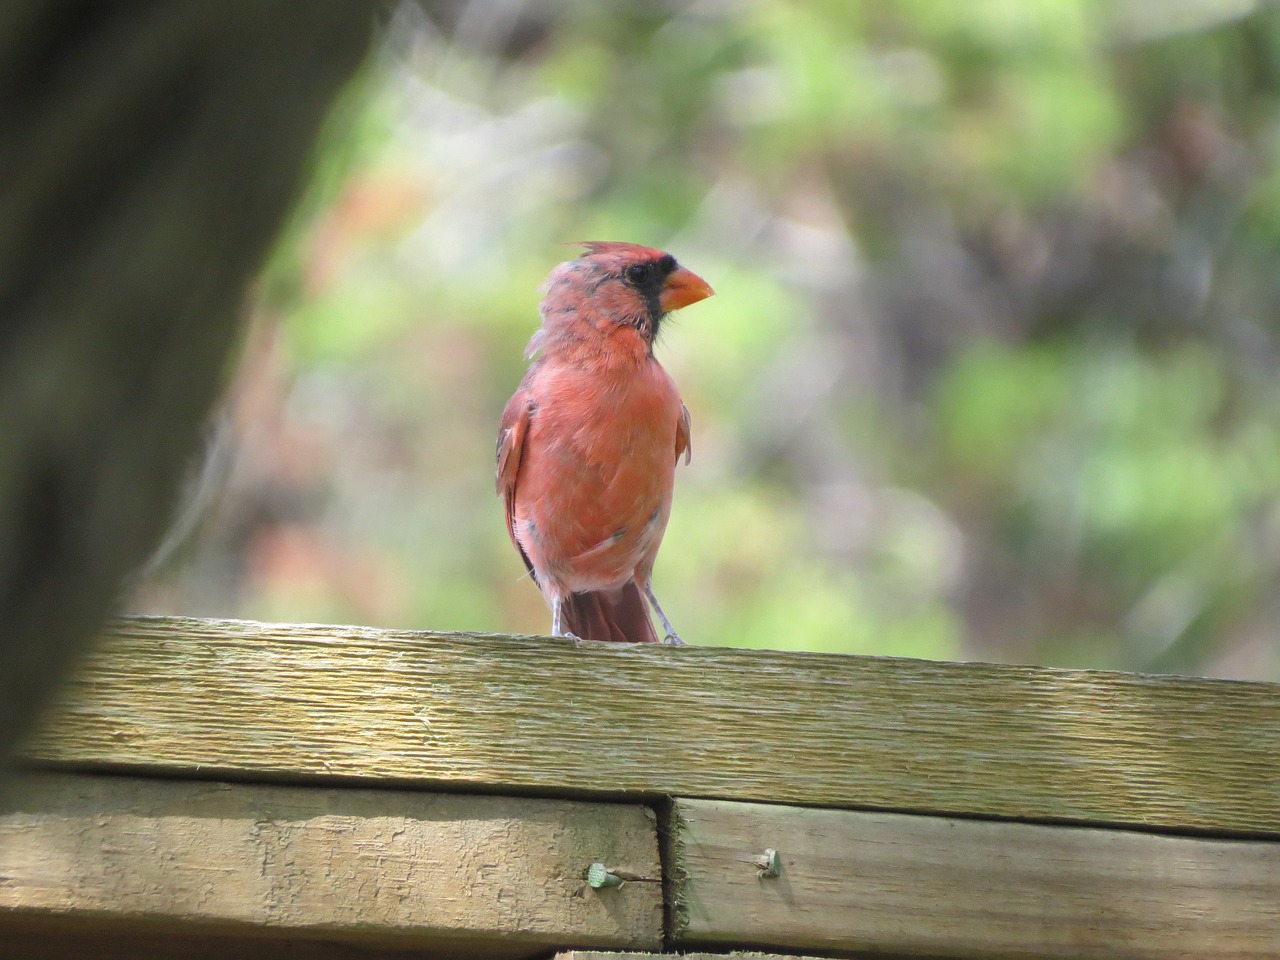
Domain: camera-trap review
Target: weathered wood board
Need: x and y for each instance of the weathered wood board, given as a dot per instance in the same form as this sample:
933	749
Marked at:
928	886
495	875
733	955
104	938
508	714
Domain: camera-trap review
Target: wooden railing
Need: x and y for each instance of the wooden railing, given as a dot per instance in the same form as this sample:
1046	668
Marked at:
230	786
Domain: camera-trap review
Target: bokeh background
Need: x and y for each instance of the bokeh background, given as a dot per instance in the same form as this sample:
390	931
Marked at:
991	371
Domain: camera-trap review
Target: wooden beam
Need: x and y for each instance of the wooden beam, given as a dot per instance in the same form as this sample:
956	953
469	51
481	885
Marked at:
175	861
105	938
928	886
735	955
516	714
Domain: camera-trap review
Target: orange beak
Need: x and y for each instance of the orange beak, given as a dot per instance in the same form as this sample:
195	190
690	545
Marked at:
682	288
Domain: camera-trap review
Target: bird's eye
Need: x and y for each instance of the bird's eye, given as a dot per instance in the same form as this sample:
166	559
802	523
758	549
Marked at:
638	273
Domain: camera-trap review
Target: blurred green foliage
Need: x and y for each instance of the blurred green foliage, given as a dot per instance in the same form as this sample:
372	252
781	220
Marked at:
990	371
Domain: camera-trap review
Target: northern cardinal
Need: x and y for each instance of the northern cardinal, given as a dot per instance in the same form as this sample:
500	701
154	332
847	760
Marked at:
589	443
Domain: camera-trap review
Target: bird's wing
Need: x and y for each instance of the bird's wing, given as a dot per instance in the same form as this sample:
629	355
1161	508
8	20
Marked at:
684	436
515	424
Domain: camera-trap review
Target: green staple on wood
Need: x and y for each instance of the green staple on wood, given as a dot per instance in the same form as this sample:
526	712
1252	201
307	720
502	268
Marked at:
598	876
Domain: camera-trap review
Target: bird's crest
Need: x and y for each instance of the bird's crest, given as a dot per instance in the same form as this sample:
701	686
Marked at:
615	246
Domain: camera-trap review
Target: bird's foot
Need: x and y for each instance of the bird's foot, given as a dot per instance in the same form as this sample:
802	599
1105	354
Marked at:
672	639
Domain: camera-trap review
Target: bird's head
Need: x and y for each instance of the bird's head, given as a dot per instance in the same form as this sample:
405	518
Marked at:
615	288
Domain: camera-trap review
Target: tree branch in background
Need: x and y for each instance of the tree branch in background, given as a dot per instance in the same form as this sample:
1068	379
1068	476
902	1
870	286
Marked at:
150	154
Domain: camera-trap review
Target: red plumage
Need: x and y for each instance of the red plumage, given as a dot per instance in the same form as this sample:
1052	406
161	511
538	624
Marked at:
589	442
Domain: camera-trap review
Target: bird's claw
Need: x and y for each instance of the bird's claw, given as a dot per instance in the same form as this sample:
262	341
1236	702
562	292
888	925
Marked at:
672	639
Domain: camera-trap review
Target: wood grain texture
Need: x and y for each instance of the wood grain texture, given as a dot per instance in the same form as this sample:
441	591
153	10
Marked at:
733	955
512	714
928	886
104	938
497	875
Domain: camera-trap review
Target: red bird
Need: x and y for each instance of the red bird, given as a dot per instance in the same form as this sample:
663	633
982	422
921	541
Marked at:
589	443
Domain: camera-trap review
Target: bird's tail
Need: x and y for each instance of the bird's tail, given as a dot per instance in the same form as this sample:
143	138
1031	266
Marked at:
618	616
